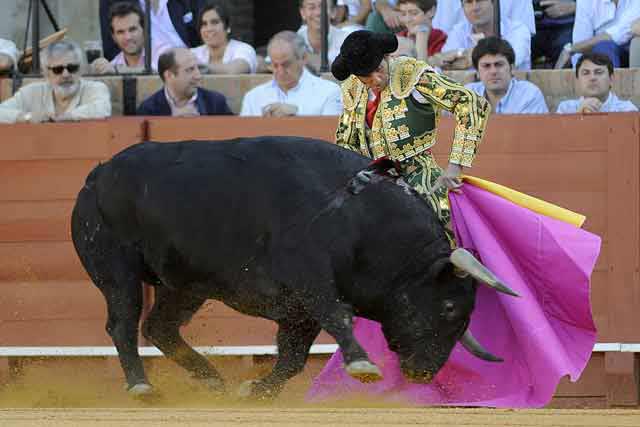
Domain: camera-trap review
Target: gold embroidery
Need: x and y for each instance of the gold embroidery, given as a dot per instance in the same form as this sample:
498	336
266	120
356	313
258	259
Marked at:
405	74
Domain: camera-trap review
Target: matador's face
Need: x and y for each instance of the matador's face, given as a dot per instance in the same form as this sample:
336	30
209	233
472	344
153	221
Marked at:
378	79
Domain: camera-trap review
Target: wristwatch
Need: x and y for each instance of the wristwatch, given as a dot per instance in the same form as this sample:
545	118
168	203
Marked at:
568	47
460	53
27	117
422	28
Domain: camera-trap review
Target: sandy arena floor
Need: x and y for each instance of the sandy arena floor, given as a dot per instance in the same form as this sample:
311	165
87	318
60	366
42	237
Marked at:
88	394
316	416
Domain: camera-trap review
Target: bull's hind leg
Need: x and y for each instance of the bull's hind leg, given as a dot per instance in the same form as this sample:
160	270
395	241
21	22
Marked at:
295	337
162	327
116	271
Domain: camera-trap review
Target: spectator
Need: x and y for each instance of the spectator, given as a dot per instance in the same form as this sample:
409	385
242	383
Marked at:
449	14
181	95
493	59
219	53
127	31
8	55
64	96
479	24
310	11
172	25
602	26
417	17
594	74
293	90
634	49
352	15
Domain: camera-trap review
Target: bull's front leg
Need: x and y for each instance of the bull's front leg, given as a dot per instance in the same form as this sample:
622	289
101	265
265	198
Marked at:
337	319
295	337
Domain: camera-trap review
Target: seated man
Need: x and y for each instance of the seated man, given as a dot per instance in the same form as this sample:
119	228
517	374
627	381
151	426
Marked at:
64	95
173	24
634	48
127	30
493	60
293	90
352	14
8	55
594	75
554	28
602	26
181	95
310	11
479	23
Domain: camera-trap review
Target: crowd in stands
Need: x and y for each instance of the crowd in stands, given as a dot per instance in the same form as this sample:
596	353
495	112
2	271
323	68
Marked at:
189	39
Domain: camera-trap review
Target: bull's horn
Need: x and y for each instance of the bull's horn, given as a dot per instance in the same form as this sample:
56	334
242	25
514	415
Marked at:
463	259
474	347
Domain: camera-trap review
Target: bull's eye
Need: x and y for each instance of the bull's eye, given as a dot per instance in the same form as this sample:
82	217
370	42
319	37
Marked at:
449	309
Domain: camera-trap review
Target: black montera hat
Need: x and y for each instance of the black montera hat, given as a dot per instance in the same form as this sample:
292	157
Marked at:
362	52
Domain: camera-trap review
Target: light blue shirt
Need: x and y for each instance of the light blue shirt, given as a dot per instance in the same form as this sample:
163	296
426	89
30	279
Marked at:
522	97
515	32
612	105
449	13
312	95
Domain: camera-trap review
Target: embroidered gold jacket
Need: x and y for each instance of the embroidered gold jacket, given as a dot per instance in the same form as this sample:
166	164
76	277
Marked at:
402	126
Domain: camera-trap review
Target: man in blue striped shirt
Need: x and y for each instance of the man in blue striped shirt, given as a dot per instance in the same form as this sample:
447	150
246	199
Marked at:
594	74
493	59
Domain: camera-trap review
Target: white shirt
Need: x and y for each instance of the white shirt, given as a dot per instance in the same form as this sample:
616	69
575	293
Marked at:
119	60
7	47
522	97
92	101
594	17
163	34
235	50
335	38
612	105
313	96
353	6
514	32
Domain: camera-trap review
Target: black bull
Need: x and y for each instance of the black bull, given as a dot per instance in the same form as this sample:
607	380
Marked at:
271	227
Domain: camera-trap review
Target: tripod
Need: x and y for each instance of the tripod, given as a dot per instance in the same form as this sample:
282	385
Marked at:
33	14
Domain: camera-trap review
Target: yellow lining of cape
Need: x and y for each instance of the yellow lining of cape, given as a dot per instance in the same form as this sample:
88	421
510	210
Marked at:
529	202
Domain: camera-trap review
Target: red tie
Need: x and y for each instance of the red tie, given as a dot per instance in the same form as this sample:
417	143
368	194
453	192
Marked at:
372	107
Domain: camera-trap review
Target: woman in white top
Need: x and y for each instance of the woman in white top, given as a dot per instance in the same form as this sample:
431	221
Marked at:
219	53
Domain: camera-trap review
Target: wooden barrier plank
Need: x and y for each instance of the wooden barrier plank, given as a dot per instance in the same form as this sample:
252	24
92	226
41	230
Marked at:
36	261
33	221
592	381
5	88
623	201
165	129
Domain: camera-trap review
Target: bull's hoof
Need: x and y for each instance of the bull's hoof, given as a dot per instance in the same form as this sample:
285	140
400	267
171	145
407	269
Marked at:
140	390
364	371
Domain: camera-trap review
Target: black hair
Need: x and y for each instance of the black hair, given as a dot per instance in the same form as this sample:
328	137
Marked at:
492	45
222	9
423	5
167	61
124	8
596	58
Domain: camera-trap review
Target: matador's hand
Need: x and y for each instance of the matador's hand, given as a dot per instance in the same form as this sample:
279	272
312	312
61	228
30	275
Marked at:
450	178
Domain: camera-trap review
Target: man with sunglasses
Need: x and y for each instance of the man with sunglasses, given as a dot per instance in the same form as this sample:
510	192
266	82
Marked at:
63	96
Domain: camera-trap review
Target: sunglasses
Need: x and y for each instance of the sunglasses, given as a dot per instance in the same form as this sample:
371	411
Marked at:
59	69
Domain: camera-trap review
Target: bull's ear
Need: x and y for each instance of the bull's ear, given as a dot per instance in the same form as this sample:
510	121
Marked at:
442	270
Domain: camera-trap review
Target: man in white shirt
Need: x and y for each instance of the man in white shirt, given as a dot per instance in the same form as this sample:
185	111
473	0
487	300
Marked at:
479	24
493	60
594	75
310	11
293	90
8	55
602	26
63	96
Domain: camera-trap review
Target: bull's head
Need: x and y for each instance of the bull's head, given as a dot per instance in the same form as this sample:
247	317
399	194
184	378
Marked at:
424	322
